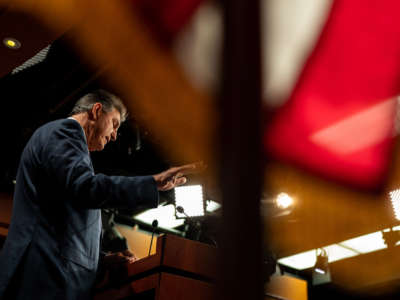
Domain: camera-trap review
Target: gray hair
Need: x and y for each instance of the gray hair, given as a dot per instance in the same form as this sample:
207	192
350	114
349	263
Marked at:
107	100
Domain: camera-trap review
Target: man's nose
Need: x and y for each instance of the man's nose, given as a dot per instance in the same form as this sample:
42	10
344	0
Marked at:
114	136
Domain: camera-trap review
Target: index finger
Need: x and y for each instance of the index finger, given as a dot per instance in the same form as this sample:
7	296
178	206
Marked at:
192	168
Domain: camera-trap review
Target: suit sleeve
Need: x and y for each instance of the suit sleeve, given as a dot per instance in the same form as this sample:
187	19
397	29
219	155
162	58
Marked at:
66	159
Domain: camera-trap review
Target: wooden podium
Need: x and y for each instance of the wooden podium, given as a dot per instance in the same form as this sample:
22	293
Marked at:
180	269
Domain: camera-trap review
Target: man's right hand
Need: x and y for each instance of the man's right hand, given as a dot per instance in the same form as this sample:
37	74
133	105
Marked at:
174	176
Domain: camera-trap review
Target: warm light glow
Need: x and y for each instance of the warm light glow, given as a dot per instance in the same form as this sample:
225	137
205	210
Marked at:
395	198
190	197
11	43
283	200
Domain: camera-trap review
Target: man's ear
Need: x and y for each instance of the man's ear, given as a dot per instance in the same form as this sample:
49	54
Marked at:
96	111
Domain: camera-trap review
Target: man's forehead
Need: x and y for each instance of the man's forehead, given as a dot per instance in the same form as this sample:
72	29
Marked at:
116	114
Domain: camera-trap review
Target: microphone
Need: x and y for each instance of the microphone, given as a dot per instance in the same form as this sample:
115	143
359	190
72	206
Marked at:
182	211
154	225
195	224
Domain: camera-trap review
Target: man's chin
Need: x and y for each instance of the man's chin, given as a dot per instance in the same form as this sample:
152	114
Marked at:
99	148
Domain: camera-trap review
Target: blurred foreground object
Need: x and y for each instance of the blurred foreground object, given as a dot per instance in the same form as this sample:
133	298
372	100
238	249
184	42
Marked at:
340	118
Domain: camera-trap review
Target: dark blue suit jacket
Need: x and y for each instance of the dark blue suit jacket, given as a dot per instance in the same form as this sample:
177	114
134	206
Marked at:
52	248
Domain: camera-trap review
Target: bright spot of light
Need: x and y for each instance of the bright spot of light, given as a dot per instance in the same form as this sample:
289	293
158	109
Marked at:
283	200
11	43
395	198
165	215
359	245
212	206
190	198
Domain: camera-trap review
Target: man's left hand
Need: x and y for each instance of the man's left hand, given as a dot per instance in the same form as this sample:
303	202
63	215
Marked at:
119	258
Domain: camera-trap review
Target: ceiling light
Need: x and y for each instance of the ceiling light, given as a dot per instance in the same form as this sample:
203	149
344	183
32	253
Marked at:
11	43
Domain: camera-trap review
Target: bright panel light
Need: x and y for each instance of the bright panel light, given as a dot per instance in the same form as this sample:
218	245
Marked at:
307	259
283	200
300	261
165	215
336	252
212	206
190	197
395	198
363	244
366	243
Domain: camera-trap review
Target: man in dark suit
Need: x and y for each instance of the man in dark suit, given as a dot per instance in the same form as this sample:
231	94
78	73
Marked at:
52	248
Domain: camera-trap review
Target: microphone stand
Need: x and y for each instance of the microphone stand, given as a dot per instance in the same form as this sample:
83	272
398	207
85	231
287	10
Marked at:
196	225
154	225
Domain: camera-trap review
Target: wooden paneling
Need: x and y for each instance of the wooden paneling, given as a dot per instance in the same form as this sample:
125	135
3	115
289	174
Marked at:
180	254
182	288
194	257
286	287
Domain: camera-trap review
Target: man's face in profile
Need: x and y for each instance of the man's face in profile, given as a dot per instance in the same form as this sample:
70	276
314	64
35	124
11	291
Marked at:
105	129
